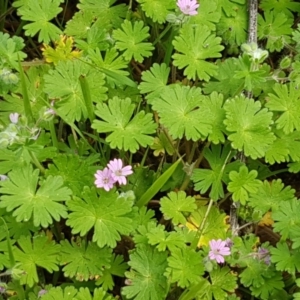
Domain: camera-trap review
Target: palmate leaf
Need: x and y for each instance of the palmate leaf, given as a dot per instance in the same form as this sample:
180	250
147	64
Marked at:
249	126
223	281
180	111
215	226
63	83
40	12
36	252
224	82
213	178
162	239
10	50
146	274
127	132
84	261
208	14
106	13
286	218
285	6
117	268
21	195
233	29
109	216
242	183
75	171
55	293
154	81
195	45
130	39
270	195
111	61
212	108
157	10
175	205
273	282
285	100
185	266
276	28
99	294
285	259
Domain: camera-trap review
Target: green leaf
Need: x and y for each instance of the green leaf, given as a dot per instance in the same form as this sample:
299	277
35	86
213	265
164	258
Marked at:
40	12
63	83
215	226
276	28
105	12
195	45
223	281
84	261
108	215
111	61
208	15
223	82
10	50
185	266
157	10
272	193
286	101
212	108
99	294
233	29
176	205
283	6
131	40
154	81
80	25
38	252
145	278
127	132
117	268
287	217
220	166
180	110
75	171
285	259
249	126
273	282
21	194
242	183
56	293
163	239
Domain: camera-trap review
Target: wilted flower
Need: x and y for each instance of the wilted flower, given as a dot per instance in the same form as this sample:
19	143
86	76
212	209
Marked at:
264	254
218	249
188	7
119	172
42	292
3	177
14	117
104	179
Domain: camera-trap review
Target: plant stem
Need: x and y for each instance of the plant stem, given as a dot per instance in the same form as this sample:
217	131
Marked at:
53	134
200	230
36	162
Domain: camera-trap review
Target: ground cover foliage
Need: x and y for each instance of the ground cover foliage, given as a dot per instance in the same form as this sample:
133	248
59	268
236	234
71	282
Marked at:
143	147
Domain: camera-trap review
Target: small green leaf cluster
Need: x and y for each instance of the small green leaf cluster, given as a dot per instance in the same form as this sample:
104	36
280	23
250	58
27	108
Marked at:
209	123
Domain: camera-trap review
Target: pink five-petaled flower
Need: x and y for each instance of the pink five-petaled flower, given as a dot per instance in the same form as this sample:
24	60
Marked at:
118	172
104	179
218	249
14	117
188	7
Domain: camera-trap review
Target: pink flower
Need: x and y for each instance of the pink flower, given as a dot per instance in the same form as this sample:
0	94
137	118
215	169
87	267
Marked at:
14	117
118	172
188	7
104	179
218	249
